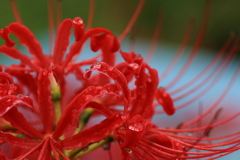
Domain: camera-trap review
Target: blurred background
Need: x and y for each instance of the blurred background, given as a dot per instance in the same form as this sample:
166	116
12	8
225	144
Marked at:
115	15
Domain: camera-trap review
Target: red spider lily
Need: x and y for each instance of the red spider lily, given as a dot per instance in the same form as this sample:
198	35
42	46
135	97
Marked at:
49	124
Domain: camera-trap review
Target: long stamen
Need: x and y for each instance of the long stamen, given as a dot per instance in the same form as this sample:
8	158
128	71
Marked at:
224	93
59	12
195	47
220	68
181	49
206	89
210	65
50	25
155	38
15	11
132	21
91	13
31	151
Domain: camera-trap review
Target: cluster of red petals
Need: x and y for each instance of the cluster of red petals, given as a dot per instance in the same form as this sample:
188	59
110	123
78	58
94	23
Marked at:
130	125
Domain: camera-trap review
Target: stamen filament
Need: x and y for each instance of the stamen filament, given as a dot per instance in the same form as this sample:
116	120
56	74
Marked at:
91	13
50	25
132	21
15	11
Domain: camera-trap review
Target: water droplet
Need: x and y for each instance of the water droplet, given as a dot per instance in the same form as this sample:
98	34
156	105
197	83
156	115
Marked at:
45	73
87	74
103	91
96	65
99	87
85	149
138	127
124	117
128	150
138	56
20	95
106	146
110	68
78	21
134	66
88	97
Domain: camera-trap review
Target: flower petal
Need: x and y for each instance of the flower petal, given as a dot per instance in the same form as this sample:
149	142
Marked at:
15	54
62	41
27	38
146	86
17	141
44	99
76	105
3	156
78	28
95	133
100	108
18	121
4	33
8	102
165	100
77	46
115	75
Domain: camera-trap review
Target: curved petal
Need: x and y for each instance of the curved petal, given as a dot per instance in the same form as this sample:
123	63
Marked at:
95	133
146	86
15	54
77	46
4	33
115	75
62	41
17	141
27	38
8	102
77	104
44	99
18	121
100	108
3	156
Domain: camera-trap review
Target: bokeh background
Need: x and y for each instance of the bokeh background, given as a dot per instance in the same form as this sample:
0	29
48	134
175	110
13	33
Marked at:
115	15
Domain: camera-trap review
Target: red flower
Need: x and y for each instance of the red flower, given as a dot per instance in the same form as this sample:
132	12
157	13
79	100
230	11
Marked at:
43	121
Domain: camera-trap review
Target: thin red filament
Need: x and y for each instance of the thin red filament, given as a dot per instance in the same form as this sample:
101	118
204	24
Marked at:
91	13
132	21
15	11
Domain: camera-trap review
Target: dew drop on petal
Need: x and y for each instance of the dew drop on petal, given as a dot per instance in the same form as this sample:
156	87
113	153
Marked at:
103	91
149	80
138	56
99	87
138	127
85	149
87	74
110	69
20	95
88	97
124	117
134	66
106	146
78	21
96	65
129	151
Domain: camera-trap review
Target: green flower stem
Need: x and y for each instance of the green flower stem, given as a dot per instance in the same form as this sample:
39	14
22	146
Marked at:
85	150
56	97
84	118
